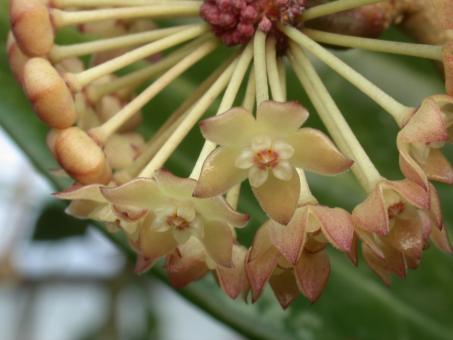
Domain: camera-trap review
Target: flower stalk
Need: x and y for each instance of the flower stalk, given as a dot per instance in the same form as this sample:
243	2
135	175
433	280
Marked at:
398	111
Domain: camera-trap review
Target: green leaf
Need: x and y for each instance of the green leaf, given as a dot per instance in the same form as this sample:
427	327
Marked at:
355	304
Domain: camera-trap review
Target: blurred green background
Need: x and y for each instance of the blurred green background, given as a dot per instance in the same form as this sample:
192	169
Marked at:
355	305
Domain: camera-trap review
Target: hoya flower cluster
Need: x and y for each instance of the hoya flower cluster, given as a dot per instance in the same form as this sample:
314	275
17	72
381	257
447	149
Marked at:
91	94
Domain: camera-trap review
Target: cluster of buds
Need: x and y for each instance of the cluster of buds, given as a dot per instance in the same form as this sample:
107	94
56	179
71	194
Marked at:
93	109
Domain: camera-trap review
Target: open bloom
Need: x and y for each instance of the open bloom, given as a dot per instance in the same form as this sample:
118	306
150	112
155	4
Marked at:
420	140
172	216
266	150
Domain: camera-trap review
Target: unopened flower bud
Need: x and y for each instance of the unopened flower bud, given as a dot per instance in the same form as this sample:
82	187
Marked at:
49	94
17	59
122	149
109	106
81	157
32	27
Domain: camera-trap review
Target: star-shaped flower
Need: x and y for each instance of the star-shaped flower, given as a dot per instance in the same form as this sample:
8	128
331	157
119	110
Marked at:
174	216
266	150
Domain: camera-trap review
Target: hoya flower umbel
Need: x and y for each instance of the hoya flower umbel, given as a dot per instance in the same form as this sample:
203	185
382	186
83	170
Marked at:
235	21
421	139
174	216
266	150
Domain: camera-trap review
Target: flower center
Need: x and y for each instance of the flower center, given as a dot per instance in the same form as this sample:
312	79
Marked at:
263	155
178	222
236	21
266	159
395	209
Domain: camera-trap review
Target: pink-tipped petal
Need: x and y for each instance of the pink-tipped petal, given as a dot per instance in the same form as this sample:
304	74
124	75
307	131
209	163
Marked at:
411	169
371	215
143	264
279	198
259	270
289	239
336	225
187	264
435	209
312	273
282	117
441	240
438	168
217	208
219	173
315	152
218	242
285	287
140	193
410	191
427	125
234	280
233	128
90	192
376	264
174	186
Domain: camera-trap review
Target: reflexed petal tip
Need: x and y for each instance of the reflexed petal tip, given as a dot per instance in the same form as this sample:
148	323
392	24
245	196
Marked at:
315	152
174	186
141	193
232	128
282	117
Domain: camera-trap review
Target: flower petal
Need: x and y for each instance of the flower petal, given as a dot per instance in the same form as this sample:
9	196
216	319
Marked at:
279	198
187	264
140	193
312	272
154	244
289	239
143	264
218	242
259	270
376	264
371	215
261	260
283	170
181	236
174	186
235	127
216	208
438	168
234	280
315	152
336	225
281	117
285	287
90	192
258	176
409	191
406	236
440	240
219	173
